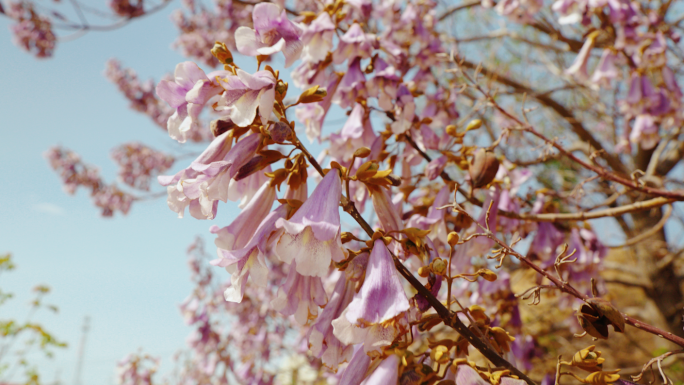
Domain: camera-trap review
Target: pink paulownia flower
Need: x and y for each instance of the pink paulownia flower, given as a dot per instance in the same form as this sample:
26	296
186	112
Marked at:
312	235
272	33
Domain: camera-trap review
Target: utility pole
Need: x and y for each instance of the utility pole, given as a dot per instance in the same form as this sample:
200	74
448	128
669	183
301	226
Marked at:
81	349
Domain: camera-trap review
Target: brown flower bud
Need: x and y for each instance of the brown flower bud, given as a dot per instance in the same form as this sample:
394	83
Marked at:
362	152
487	274
222	53
424	271
451	130
312	95
483	168
347	237
453	238
219	127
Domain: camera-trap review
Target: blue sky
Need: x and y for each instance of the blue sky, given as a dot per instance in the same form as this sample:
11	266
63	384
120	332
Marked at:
127	273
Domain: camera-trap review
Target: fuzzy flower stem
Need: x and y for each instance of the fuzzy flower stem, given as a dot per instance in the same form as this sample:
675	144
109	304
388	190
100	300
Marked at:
449	318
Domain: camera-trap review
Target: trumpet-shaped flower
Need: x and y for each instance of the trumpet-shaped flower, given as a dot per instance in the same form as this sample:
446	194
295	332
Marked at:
244	93
322	341
187	93
300	295
243	260
354	44
312	235
318	38
374	316
272	33
202	185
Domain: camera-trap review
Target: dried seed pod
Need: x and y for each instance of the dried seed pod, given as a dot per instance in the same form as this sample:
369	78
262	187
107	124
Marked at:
483	168
591	322
607	310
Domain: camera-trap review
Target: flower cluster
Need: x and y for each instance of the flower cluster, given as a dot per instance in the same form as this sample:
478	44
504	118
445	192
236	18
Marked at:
138	164
32	31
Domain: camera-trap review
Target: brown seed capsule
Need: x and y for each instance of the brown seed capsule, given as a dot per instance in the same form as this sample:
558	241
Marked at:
611	314
483	168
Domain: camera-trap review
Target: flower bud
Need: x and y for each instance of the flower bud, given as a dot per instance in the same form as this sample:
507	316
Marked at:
451	130
474	125
440	354
280	132
312	95
483	168
347	237
424	271
222	53
453	238
219	126
487	274
588	359
362	152
439	266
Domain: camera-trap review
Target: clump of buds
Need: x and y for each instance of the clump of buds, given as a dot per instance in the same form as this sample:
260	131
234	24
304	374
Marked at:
483	168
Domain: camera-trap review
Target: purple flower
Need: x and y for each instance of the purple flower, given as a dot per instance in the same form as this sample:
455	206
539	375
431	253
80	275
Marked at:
436	167
579	66
356	132
312	235
352	85
354	44
244	93
322	341
188	93
379	312
404	111
645	132
208	178
605	70
382	295
318	38
239	243
300	295
384	85
356	370
272	33
386	373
